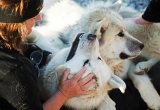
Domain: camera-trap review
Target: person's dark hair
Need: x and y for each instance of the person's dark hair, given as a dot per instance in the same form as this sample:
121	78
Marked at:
13	13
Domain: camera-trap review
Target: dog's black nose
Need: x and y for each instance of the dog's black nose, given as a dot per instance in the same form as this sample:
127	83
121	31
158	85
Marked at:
141	46
91	37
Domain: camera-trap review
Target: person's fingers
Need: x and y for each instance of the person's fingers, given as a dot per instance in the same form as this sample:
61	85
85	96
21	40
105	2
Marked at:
65	75
85	80
79	74
87	85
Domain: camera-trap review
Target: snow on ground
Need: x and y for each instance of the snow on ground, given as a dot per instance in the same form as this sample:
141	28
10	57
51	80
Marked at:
139	5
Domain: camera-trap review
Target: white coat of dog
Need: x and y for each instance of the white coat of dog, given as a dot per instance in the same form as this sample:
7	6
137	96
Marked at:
149	35
84	53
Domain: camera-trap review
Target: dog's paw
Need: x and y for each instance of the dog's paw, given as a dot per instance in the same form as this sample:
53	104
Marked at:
155	105
107	104
142	68
154	102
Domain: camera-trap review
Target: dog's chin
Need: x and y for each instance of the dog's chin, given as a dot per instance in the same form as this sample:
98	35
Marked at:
124	56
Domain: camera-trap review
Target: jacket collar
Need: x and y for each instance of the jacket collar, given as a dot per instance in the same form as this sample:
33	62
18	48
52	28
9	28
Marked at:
2	46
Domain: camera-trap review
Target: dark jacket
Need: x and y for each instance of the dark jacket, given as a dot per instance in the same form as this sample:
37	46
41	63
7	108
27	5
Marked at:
152	13
18	82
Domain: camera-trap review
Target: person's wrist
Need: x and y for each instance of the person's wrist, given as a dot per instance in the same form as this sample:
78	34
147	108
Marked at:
142	21
60	91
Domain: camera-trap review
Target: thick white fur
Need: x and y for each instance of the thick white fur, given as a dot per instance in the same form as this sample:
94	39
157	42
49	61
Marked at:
106	80
111	45
97	18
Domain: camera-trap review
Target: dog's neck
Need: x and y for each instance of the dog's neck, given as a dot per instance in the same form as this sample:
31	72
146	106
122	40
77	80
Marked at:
113	62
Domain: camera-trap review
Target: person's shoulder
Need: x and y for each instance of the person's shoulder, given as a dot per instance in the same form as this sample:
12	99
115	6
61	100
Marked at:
15	64
8	63
8	59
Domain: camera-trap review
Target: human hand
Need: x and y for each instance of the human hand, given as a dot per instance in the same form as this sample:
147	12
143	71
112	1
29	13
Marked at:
138	20
76	86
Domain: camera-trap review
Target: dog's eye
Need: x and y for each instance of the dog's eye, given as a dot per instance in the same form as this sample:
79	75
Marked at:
86	62
121	34
80	37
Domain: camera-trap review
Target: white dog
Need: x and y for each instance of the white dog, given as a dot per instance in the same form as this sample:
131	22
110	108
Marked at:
84	53
149	35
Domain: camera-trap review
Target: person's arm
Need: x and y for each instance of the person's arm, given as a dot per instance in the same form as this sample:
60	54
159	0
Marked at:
140	20
55	102
69	89
151	14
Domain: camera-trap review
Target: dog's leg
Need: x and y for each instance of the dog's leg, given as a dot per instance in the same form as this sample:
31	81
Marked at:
146	89
145	66
107	104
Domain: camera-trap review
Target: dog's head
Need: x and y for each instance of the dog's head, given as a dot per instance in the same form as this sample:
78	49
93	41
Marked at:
85	45
115	42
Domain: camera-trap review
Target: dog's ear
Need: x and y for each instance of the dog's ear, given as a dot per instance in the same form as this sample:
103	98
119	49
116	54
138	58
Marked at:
116	6
116	82
101	27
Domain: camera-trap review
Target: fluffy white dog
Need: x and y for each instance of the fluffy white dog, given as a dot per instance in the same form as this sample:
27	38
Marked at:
149	35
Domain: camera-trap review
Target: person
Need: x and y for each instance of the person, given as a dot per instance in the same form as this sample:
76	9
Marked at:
150	15
132	100
19	67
